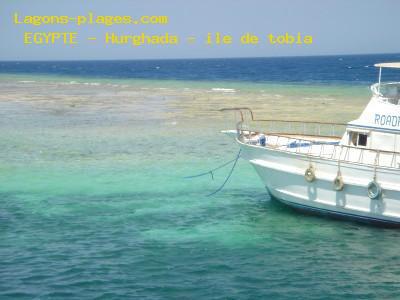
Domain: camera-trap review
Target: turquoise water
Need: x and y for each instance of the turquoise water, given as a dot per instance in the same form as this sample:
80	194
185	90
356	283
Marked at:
93	203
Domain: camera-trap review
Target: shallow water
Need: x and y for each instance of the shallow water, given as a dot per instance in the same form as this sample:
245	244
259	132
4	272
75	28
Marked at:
93	203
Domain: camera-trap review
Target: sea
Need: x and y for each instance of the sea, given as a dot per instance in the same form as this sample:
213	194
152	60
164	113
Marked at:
94	203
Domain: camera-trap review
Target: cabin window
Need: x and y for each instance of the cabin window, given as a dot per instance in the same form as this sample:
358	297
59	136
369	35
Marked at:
358	139
362	139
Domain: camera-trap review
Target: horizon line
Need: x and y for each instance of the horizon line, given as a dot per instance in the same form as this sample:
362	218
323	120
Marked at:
199	58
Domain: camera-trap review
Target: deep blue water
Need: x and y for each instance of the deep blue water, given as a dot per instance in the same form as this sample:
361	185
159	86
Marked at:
318	69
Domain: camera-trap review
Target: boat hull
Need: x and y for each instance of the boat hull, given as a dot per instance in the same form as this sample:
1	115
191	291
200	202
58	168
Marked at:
283	174
339	215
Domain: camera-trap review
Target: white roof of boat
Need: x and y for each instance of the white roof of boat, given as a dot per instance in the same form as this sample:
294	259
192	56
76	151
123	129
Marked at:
388	65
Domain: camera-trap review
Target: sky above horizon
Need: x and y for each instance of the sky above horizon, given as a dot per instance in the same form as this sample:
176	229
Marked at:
337	27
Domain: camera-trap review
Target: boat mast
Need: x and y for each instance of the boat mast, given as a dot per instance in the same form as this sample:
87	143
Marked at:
379	80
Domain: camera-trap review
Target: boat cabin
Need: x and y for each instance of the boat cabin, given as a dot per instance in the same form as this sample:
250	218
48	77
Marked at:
378	127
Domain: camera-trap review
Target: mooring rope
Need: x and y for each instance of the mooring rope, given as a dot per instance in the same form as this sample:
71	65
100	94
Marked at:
217	168
211	171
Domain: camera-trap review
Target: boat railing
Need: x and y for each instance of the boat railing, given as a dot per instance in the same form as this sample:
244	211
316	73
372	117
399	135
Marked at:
297	128
313	139
328	149
245	121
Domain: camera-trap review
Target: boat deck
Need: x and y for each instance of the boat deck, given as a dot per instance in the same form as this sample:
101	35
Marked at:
327	147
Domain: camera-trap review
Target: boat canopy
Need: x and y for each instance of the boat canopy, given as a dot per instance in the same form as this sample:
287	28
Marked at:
395	65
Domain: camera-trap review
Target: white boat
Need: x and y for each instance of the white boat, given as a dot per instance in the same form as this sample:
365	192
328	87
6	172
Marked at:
348	170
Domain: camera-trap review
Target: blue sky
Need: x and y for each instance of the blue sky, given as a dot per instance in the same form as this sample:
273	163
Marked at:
337	27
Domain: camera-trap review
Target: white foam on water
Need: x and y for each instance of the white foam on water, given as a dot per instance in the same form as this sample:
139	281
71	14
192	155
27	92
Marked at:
92	83
224	90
